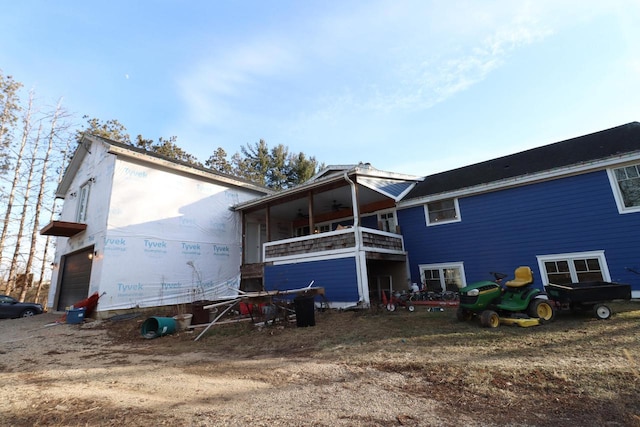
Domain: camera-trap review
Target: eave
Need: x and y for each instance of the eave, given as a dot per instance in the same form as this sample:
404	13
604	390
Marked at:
63	229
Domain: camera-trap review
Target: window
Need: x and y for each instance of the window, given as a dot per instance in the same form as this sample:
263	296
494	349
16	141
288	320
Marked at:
442	212
387	221
302	231
626	187
442	277
83	200
323	228
572	268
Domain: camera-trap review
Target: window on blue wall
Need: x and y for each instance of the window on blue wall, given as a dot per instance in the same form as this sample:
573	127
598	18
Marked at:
442	277
573	268
626	185
442	212
387	221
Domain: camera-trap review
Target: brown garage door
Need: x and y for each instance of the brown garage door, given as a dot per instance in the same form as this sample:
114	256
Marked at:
76	273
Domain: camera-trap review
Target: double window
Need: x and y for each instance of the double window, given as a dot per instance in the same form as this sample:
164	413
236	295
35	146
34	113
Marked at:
442	277
626	185
387	221
575	267
442	212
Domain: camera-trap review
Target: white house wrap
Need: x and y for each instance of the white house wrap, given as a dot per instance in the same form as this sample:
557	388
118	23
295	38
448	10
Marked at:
157	232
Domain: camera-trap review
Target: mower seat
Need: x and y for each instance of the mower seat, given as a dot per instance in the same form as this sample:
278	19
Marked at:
524	277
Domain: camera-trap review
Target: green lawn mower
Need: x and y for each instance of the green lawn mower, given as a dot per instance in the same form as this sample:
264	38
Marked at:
517	303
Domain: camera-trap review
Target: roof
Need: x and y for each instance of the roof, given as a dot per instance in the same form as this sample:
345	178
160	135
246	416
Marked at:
119	148
360	169
390	184
581	150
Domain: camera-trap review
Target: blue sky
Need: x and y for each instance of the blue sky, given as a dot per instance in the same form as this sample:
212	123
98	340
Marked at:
413	87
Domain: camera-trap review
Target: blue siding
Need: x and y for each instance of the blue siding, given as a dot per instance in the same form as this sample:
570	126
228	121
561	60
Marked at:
504	229
370	221
336	276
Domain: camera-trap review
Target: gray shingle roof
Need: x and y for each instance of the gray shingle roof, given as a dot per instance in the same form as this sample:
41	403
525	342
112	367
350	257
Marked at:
583	149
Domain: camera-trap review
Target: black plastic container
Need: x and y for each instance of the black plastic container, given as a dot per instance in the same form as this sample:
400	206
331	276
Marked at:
305	308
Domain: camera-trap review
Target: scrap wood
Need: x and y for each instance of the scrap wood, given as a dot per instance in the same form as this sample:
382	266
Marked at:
269	294
231	304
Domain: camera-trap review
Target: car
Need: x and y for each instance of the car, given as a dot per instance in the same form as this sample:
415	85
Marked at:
11	308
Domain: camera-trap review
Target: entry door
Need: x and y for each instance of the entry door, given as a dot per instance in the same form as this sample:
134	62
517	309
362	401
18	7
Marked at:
76	274
256	236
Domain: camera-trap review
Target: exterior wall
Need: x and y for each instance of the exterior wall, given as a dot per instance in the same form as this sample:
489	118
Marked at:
337	276
161	237
502	230
324	257
370	221
98	164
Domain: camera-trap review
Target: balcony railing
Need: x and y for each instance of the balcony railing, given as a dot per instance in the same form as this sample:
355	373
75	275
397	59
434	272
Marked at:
338	241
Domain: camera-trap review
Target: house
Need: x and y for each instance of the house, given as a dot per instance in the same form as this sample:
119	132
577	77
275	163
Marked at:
337	230
147	231
143	230
569	210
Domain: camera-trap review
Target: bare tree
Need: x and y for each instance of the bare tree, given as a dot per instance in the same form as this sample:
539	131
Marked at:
13	269
39	201
9	113
9	108
47	244
26	128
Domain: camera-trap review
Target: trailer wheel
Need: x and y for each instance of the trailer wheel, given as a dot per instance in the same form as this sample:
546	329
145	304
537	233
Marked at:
463	315
411	308
489	319
541	309
602	311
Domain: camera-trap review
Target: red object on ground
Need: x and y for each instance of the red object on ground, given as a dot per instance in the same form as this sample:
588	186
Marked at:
245	308
89	304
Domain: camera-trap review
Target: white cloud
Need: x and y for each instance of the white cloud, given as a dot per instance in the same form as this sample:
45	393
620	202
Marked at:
211	87
424	76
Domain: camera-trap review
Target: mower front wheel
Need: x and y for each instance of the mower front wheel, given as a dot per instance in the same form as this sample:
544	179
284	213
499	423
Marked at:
489	319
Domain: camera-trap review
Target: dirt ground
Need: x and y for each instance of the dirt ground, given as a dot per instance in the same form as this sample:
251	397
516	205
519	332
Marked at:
370	368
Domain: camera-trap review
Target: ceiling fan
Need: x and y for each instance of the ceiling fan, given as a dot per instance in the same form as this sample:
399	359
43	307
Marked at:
335	206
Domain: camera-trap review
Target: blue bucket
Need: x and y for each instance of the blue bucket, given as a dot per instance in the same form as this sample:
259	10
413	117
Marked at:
155	327
75	316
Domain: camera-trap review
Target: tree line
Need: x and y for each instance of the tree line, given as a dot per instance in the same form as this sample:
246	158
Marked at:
36	144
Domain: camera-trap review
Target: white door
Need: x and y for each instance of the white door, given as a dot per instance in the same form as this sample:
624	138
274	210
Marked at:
256	236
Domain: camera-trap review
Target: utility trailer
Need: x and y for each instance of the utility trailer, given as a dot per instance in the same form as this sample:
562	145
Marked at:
584	296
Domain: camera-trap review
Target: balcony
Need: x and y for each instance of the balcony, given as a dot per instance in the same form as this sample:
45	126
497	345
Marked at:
376	244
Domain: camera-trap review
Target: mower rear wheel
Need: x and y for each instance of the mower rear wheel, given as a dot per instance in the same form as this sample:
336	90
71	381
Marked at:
541	309
489	319
391	307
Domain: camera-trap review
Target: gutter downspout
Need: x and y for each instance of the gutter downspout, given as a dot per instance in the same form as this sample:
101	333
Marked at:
364	296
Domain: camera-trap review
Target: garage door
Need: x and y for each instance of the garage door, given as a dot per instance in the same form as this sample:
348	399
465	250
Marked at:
76	273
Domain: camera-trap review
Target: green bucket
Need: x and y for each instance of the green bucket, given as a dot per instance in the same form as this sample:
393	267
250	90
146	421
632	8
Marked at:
155	327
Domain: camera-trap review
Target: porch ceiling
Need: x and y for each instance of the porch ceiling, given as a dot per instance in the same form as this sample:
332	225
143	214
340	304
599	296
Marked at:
336	199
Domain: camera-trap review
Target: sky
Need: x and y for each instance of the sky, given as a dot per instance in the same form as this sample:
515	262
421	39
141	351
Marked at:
413	87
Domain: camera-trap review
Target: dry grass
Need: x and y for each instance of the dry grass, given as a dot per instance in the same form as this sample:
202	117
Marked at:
574	371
